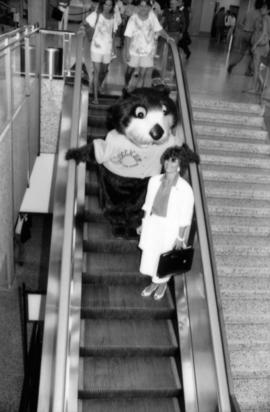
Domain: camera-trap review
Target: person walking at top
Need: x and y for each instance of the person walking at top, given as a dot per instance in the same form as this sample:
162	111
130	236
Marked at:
141	32
220	25
243	35
260	46
101	22
175	25
230	22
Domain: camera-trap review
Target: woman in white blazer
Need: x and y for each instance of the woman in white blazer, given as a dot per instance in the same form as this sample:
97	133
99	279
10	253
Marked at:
168	211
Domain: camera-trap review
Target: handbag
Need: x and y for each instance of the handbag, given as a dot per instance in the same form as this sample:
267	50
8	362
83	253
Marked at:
57	14
175	262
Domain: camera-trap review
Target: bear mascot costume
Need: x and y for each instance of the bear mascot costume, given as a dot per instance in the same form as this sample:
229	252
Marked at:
140	127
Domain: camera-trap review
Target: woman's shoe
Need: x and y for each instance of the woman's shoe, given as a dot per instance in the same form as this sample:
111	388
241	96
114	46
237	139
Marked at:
160	292
149	290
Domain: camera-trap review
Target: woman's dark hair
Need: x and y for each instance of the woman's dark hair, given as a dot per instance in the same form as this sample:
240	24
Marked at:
138	2
101	6
184	155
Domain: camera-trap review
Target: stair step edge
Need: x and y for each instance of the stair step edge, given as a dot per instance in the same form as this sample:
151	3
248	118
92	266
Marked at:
134	313
132	351
247	320
255	346
139	393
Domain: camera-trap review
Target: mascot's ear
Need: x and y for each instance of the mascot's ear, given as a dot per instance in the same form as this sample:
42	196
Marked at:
125	93
115	114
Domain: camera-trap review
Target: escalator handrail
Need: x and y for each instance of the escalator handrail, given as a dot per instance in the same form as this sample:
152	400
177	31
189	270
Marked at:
210	240
62	341
15	37
56	363
203	233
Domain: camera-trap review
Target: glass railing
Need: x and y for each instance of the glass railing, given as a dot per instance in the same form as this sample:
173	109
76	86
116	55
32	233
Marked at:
59	369
28	57
210	360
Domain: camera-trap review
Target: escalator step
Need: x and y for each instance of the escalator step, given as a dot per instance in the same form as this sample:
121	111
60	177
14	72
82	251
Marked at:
129	393
92	203
97	262
130	376
94	216
110	245
99	129
105	100
128	313
109	277
100	134
131	405
97	119
127	351
128	336
124	297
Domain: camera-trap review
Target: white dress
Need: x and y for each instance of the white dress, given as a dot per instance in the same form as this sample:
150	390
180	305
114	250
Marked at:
159	233
102	39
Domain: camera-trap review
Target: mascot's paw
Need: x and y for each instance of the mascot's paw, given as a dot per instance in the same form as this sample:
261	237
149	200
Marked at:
81	154
74	154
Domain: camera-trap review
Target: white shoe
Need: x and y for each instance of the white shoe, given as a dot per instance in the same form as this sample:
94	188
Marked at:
149	290
160	292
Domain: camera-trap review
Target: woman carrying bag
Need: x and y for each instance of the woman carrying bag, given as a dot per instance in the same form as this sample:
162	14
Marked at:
168	211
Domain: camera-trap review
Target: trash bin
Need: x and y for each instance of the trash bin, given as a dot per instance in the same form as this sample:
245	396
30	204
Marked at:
53	61
32	58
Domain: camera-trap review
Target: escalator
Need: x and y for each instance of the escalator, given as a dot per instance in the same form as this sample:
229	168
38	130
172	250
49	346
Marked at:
129	350
105	347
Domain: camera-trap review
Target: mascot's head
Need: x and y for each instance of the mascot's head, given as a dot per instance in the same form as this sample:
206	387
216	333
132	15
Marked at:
145	116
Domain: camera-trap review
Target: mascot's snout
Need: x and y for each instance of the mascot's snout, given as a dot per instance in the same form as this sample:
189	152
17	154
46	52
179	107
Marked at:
156	132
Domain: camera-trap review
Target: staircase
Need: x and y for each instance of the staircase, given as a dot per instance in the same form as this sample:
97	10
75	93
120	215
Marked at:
235	160
129	351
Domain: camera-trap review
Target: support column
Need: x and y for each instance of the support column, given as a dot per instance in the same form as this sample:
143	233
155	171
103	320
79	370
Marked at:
37	12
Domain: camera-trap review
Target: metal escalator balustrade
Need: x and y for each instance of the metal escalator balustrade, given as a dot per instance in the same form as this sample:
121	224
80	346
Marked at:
220	364
58	372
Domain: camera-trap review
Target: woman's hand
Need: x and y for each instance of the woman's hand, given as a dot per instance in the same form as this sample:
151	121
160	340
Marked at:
179	244
139	230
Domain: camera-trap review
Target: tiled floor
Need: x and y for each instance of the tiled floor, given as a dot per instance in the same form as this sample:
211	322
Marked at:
206	73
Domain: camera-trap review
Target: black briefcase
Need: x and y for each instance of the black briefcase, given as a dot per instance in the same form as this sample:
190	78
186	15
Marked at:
175	262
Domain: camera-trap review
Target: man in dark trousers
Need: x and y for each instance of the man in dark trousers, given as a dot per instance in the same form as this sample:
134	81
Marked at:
175	25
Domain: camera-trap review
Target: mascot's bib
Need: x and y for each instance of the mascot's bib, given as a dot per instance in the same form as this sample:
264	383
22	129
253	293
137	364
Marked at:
124	158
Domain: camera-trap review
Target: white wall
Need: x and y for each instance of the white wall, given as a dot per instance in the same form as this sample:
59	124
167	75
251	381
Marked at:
228	3
207	15
208	12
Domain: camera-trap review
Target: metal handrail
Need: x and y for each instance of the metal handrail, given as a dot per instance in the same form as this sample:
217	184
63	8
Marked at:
16	38
214	267
62	341
207	259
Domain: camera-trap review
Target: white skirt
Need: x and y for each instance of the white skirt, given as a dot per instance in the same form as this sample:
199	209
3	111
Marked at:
153	243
